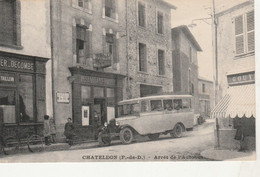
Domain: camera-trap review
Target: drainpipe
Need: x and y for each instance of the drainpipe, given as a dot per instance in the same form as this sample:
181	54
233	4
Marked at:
127	57
52	60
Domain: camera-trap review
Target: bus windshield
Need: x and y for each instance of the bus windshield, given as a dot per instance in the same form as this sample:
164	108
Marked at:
129	109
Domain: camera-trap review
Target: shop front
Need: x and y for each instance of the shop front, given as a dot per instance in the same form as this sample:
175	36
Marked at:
235	114
22	94
95	96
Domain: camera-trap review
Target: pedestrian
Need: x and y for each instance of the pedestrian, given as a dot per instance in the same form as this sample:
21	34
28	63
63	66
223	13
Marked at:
69	131
52	130
46	130
96	124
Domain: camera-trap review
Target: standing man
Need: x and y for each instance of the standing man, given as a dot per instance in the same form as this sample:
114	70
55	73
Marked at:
69	131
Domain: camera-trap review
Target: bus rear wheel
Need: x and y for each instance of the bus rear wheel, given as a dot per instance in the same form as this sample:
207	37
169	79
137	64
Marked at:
177	131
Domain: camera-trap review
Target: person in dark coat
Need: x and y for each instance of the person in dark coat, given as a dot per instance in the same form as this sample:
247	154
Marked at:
69	131
46	130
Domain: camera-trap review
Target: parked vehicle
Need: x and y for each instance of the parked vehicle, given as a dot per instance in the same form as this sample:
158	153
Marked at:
149	116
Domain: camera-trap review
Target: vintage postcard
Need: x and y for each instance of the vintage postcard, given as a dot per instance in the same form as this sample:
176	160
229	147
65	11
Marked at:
127	80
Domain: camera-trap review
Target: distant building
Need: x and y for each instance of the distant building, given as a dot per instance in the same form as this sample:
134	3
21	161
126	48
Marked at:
206	96
25	53
185	63
235	65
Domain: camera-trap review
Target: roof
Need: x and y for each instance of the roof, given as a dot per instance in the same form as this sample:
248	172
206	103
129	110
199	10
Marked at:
136	100
189	35
169	4
205	79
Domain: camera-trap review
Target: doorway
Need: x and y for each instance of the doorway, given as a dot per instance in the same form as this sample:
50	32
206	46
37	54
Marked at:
100	108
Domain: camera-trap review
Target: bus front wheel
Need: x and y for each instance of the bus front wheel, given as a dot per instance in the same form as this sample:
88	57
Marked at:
126	135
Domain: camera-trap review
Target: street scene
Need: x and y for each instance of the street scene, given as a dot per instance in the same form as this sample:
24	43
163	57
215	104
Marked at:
127	80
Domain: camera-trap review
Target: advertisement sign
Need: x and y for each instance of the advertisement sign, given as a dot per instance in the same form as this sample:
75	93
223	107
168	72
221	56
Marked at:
85	115
63	97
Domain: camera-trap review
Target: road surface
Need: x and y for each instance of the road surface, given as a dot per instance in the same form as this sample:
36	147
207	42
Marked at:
187	148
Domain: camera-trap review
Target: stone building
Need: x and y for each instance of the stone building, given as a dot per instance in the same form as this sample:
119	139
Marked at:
89	61
185	63
235	73
149	61
206	96
25	66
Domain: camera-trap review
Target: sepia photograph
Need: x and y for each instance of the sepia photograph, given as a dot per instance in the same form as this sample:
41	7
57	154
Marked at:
127	81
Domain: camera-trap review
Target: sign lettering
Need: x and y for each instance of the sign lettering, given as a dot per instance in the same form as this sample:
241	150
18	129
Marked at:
7	78
98	80
16	64
242	78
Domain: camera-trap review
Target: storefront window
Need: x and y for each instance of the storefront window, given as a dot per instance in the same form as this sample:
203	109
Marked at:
26	98
98	92
7	106
85	93
110	92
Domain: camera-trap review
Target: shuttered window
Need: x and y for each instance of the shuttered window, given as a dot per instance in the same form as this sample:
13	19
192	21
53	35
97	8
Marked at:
7	22
244	33
141	14
142	57
161	62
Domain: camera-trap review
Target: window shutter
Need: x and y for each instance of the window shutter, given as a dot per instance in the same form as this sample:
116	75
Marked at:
239	35
250	31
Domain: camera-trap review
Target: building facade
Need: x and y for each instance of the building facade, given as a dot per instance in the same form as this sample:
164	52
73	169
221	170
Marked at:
25	66
105	51
185	63
236	75
206	96
149	47
88	61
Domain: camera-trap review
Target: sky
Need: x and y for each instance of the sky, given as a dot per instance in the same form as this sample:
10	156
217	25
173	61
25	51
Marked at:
188	10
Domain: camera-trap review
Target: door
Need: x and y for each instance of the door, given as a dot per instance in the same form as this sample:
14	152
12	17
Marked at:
100	108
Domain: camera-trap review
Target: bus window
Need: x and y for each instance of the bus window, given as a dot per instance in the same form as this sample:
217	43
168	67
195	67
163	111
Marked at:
128	109
144	106
186	103
156	105
177	104
167	105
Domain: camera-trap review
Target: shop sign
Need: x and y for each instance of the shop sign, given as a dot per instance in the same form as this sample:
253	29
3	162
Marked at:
242	78
97	80
7	78
63	97
10	63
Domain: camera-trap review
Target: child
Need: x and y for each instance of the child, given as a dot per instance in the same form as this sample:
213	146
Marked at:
52	130
46	130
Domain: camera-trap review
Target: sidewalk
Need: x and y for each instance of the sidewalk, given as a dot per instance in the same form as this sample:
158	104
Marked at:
57	147
228	155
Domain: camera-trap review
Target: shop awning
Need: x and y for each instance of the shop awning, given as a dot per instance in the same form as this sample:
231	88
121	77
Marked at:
239	101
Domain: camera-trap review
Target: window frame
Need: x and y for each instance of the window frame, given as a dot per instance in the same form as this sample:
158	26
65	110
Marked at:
144	14
145	58
157	22
16	42
163	64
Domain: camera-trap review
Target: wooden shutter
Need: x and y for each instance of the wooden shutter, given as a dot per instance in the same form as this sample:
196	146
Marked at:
239	35
250	31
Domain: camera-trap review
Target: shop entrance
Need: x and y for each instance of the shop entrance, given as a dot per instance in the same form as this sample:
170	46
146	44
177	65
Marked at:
100	108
